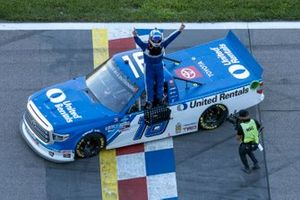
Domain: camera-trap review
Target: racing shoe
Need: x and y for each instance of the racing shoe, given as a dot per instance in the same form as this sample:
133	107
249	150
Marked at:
256	166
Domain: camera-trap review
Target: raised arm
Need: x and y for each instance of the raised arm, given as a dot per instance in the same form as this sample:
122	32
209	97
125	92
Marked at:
172	37
138	40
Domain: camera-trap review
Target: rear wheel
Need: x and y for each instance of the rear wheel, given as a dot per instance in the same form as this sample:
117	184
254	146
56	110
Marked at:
213	117
90	145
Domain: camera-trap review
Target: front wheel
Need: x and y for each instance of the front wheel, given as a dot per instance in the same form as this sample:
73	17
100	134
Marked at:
213	117
90	145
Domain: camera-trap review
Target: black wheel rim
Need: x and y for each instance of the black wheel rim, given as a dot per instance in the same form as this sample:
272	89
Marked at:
213	117
89	147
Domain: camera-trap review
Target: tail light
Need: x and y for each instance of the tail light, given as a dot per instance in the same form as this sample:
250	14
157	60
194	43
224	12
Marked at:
260	90
258	86
261	83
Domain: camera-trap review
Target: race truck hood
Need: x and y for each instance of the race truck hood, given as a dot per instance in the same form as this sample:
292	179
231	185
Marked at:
70	104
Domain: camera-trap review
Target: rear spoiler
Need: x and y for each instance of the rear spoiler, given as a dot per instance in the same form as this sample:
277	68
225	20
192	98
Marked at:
243	53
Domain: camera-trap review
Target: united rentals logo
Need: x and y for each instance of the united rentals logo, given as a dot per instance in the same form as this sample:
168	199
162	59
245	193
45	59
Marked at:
63	106
227	58
182	107
214	99
239	71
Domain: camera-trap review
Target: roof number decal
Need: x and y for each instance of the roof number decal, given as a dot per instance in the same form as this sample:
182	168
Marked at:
139	60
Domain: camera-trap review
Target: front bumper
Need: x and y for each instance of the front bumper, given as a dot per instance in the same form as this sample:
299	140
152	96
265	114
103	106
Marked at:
49	154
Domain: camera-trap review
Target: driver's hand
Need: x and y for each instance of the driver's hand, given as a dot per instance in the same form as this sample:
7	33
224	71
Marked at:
182	26
134	33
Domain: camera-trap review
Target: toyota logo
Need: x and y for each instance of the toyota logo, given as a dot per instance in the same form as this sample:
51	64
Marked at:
188	73
33	122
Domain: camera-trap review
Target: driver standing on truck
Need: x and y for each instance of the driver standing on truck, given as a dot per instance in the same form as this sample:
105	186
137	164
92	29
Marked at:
154	51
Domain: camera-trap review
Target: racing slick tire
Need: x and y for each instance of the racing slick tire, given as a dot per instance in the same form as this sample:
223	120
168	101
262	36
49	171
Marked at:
90	145
213	117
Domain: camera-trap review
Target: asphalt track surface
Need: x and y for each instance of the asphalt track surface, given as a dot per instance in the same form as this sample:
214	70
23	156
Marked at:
207	163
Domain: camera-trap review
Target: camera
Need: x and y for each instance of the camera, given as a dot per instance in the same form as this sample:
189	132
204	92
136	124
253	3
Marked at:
234	120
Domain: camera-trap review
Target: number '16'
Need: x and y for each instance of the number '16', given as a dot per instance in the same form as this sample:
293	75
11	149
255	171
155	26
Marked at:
139	60
150	131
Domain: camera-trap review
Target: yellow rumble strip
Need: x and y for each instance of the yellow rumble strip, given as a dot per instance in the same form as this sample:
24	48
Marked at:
100	46
107	158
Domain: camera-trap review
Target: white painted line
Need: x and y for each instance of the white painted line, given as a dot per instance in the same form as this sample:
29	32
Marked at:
277	25
126	26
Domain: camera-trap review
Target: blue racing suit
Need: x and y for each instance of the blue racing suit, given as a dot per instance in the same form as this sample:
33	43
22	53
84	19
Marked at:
153	63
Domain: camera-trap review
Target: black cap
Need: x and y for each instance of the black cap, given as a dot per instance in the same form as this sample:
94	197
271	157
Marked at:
243	114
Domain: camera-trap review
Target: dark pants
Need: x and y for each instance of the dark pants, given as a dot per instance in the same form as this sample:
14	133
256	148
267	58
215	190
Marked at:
247	149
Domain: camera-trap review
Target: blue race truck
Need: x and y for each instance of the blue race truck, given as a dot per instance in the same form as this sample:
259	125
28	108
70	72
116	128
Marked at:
105	109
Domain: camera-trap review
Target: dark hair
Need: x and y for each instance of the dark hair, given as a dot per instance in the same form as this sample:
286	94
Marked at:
243	113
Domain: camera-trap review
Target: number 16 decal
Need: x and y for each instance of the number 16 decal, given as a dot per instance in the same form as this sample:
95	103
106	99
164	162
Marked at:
149	131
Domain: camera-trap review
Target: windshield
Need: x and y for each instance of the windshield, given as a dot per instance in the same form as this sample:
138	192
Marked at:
110	86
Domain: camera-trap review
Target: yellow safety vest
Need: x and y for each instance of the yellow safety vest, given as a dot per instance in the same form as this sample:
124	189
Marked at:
250	132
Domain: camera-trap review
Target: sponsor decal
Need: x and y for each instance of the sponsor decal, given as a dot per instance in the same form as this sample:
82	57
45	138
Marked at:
229	59
111	128
122	78
203	102
232	94
190	124
190	127
181	107
190	72
225	55
124	126
63	106
178	127
56	95
205	69
239	71
219	97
